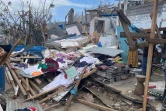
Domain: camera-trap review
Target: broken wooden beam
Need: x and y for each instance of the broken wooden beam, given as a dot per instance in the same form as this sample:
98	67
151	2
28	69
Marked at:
27	84
30	89
157	40
141	35
7	78
127	32
53	94
103	108
40	94
123	16
149	30
17	80
51	106
76	86
39	82
34	85
15	87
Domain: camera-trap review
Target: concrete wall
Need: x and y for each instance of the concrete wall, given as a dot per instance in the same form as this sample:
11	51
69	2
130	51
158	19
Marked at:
140	15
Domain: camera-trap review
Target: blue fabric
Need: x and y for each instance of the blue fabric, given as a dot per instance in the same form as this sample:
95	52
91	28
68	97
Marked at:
74	91
36	50
33	49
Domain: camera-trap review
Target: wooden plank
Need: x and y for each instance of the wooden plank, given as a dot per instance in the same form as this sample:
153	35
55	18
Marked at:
27	84
150	53
103	108
76	86
157	41
95	34
7	78
149	30
141	35
123	16
16	88
39	82
17	80
68	103
8	55
34	85
30	89
127	33
53	94
51	106
48	79
40	94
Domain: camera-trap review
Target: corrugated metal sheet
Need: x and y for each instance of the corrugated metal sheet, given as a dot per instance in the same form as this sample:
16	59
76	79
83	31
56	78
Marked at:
13	105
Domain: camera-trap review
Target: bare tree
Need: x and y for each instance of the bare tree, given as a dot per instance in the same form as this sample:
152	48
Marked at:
28	22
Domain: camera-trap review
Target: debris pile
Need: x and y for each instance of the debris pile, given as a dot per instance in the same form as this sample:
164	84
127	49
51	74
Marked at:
80	67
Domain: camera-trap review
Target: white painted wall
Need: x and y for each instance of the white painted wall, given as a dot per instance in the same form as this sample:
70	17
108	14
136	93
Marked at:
107	24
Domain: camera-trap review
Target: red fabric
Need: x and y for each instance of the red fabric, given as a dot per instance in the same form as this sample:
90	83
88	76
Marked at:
51	64
32	109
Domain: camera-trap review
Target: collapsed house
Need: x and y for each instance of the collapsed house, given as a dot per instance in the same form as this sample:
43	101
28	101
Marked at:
91	55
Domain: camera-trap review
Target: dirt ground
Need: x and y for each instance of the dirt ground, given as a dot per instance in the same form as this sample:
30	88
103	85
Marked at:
75	107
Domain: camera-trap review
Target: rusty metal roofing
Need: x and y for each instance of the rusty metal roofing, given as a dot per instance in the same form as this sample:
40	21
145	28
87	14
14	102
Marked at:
13	105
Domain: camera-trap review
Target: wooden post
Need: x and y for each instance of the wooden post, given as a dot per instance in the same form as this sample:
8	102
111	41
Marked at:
77	84
125	24
150	53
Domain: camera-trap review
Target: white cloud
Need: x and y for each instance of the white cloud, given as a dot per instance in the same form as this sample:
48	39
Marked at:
16	4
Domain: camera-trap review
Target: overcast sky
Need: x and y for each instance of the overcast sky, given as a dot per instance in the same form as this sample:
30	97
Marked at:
61	6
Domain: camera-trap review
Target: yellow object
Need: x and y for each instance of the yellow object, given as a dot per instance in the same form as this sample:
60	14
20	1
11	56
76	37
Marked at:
133	58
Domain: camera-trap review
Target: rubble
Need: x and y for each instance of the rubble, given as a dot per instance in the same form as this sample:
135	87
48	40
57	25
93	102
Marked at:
88	66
